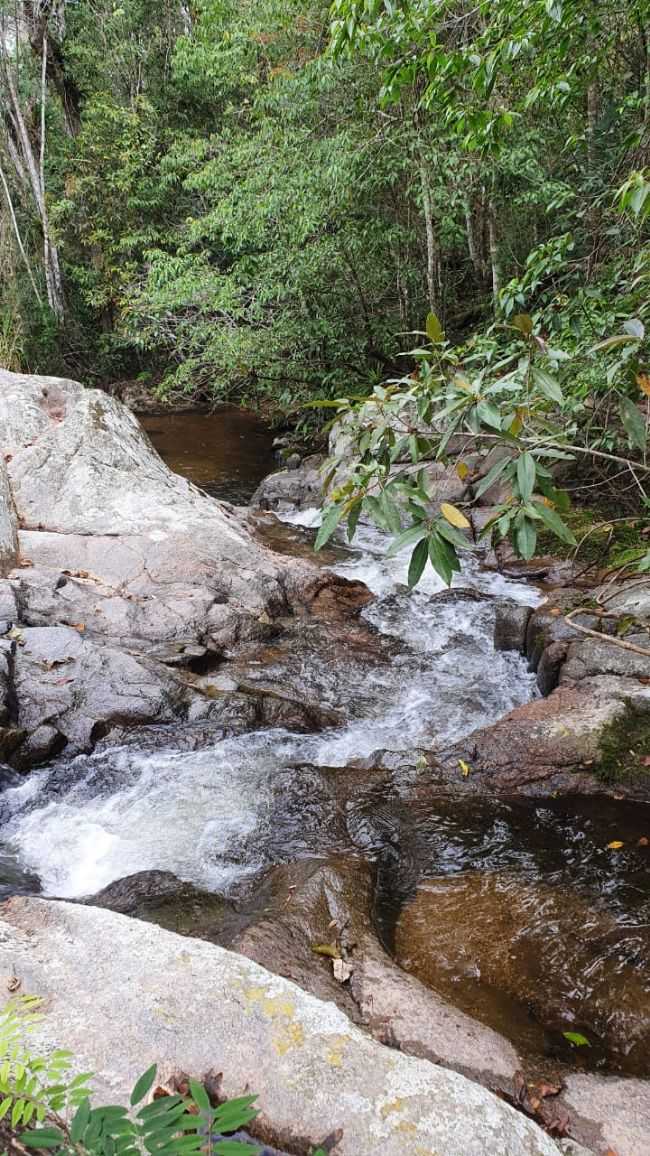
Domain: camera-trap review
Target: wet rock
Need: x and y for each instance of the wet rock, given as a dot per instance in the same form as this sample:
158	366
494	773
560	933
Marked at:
298	486
8	602
8	523
160	897
548	745
510	626
549	666
42	744
530	959
68	683
316	908
125	994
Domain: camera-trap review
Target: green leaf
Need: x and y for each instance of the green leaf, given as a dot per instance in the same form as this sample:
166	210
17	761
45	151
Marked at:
577	1039
443	557
5	1106
489	415
417	563
143	1085
407	538
633	423
491	477
353	519
333	516
453	536
548	385
525	538
526	475
43	1138
80	1121
200	1096
435	332
555	523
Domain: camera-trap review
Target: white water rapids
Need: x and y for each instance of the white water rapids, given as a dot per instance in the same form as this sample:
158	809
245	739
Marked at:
216	816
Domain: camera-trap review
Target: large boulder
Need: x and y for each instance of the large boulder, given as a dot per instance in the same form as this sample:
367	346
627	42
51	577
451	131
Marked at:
130	580
125	994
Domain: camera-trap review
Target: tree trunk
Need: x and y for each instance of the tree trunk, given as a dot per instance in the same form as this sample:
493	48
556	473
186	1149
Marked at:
493	238
433	251
16	228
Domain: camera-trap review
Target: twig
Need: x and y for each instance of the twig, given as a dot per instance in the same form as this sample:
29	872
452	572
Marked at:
568	618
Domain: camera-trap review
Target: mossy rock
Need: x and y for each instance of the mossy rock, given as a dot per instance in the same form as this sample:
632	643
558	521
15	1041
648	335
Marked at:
625	747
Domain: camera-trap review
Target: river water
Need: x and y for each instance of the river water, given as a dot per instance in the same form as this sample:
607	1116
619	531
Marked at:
518	912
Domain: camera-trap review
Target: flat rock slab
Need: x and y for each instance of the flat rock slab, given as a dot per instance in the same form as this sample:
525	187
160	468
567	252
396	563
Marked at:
122	994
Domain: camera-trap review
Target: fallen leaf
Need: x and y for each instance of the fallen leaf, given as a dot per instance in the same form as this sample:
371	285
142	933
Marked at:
555	611
645	761
464	768
615	845
577	1039
14	983
80	626
462	470
643	382
643	841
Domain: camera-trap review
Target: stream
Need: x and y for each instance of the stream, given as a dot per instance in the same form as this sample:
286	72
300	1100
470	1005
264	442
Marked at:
515	911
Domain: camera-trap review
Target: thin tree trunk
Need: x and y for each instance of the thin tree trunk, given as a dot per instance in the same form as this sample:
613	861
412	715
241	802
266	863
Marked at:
493	239
19	240
433	253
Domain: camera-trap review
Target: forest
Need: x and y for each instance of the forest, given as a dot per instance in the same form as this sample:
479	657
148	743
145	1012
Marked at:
325	577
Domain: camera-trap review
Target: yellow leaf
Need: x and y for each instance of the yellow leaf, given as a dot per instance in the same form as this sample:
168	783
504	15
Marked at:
464	768
516	426
461	382
462	470
615	845
326	949
454	516
643	382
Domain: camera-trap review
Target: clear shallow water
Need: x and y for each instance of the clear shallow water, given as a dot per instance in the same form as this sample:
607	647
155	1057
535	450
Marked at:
216	816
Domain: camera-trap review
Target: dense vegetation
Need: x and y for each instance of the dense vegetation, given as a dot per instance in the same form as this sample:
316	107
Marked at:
267	201
261	199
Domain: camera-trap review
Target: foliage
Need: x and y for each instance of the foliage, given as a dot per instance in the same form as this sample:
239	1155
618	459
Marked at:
502	397
41	1091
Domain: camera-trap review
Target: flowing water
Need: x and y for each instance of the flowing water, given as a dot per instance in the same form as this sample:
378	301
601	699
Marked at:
518	912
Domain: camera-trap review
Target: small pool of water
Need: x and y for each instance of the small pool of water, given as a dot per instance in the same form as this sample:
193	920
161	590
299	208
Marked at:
226	453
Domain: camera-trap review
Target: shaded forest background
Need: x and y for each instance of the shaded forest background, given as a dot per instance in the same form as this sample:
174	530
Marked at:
258	201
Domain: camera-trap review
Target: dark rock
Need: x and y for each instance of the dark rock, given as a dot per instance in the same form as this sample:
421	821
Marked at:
550	665
510	626
42	744
160	897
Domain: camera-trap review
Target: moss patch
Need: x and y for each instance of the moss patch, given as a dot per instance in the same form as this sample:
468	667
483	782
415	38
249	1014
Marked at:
623	747
602	543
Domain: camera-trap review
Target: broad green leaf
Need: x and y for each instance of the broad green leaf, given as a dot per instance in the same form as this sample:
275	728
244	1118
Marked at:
143	1085
525	538
555	523
407	538
443	558
526	475
489	415
453	536
418	563
633	422
234	1148
635	327
548	385
491	477
333	516
5	1106
80	1121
